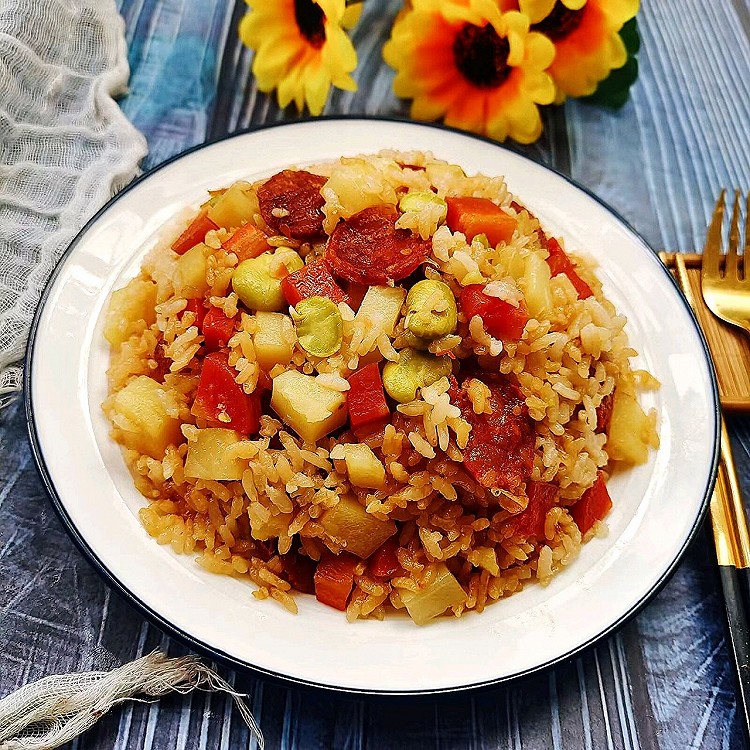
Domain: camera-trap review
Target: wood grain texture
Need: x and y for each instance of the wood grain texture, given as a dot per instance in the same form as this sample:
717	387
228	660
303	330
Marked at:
729	345
664	682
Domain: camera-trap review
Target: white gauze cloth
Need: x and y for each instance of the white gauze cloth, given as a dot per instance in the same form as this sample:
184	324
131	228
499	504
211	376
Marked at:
65	149
55	710
65	146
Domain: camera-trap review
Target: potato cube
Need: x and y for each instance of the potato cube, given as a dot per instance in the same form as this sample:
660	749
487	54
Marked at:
442	591
233	208
190	272
264	525
536	285
382	306
309	408
359	184
486	558
208	456
127	308
274	340
363	466
350	525
146	406
629	430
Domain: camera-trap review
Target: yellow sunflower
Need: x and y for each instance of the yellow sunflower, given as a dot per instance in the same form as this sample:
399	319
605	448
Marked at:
301	48
585	34
472	65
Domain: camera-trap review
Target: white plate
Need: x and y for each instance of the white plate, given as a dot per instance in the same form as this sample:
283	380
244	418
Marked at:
657	507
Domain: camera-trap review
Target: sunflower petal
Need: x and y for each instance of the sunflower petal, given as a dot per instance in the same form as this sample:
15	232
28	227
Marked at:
536	10
286	91
317	85
352	14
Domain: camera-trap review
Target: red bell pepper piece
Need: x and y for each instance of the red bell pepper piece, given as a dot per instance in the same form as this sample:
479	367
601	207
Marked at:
247	242
265	382
334	580
219	395
217	329
474	216
366	397
501	319
299	571
530	522
312	280
559	262
195	306
383	563
163	362
194	233
604	413
594	504
356	293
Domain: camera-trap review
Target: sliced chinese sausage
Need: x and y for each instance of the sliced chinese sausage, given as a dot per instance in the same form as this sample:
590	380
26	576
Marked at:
291	204
500	450
368	249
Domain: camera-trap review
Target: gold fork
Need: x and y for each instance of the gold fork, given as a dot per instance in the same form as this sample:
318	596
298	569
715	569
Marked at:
726	286
726	292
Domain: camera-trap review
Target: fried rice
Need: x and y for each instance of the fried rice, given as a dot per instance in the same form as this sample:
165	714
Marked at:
455	524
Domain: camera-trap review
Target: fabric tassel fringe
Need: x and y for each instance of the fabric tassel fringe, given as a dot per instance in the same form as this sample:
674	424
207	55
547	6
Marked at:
55	710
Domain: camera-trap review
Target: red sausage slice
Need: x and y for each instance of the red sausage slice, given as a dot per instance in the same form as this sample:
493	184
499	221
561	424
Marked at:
291	204
500	450
368	249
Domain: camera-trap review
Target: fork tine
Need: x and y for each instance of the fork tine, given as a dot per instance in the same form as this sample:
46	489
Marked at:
731	261
712	248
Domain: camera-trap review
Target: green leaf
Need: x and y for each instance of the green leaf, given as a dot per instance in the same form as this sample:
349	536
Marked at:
614	90
629	34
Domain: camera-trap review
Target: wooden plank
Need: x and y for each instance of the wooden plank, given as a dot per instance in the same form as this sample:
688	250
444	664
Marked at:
729	345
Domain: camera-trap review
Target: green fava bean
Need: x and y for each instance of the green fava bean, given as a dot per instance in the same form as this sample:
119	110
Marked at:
413	370
419	200
414	342
257	283
431	310
319	326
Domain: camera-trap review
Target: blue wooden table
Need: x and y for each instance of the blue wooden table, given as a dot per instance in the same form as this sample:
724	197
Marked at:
665	680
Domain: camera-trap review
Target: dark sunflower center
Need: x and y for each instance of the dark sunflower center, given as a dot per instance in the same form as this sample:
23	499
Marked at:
481	55
560	22
310	21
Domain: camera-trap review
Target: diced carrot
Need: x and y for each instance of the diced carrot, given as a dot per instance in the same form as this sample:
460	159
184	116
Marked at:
217	329
366	397
383	563
594	504
247	242
334	580
221	401
474	216
194	233
312	280
559	262
501	319
372	431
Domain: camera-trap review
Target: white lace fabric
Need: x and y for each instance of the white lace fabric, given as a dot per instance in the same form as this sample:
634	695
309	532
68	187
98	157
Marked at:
65	146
